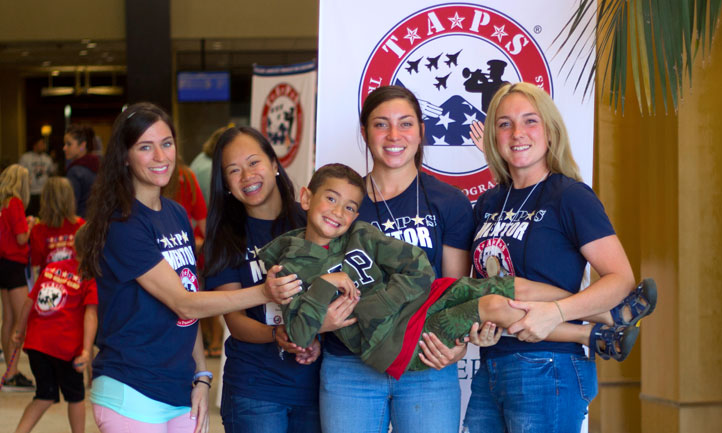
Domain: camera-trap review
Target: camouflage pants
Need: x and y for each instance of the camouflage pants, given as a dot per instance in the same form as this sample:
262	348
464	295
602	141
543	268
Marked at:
452	315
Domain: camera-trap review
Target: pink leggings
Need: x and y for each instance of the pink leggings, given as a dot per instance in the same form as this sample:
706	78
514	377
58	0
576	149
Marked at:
110	421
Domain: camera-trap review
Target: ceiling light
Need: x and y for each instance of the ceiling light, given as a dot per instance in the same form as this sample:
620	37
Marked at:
91	45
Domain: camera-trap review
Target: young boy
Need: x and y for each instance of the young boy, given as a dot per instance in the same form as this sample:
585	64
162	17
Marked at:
60	314
334	253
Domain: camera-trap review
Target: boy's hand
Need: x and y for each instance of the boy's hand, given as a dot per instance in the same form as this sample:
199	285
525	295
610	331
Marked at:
337	315
280	289
343	283
81	361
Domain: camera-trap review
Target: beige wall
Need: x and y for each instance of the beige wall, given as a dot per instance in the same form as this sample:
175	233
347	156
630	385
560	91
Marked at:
42	20
35	20
244	19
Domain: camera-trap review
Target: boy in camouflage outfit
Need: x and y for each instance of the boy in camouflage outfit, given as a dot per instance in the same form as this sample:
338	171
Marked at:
335	254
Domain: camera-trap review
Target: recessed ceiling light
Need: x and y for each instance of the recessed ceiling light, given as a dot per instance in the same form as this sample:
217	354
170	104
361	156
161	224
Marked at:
92	45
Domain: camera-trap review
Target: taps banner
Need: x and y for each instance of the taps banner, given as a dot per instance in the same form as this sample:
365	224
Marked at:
283	106
453	56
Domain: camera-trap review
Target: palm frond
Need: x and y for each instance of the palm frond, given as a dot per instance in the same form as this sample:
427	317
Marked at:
658	39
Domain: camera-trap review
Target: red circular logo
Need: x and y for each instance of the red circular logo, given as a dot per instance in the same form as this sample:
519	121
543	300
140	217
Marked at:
454	57
282	121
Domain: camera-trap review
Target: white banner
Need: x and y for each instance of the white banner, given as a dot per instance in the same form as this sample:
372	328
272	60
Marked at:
453	56
283	107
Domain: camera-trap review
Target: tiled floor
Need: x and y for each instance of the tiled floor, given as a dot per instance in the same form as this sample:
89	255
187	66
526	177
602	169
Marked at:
55	419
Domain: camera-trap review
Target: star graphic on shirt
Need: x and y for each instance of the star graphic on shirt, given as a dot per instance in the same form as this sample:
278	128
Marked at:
412	35
165	241
469	119
445	119
530	215
256	251
179	239
456	20
417	220
388	225
184	235
510	215
494	215
466	140
499	33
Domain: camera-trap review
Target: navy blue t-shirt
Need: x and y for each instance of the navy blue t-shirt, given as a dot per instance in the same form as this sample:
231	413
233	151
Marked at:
255	370
446	219
540	241
143	343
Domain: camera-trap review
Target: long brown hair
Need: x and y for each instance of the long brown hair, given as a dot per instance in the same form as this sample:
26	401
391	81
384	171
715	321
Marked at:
57	202
111	198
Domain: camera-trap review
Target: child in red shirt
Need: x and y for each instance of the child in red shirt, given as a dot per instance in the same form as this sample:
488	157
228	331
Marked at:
61	318
53	237
14	232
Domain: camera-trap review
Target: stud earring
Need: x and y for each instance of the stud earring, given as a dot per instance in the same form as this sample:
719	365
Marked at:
278	173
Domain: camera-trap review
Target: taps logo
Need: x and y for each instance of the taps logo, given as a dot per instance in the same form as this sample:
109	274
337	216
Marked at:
282	121
454	57
51	298
190	283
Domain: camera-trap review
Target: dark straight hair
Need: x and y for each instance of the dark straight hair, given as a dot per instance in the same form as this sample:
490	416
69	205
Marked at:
226	237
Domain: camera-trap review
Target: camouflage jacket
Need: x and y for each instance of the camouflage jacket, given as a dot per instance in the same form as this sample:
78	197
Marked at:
394	279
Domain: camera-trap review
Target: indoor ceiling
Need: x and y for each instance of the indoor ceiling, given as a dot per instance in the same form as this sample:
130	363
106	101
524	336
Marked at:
41	57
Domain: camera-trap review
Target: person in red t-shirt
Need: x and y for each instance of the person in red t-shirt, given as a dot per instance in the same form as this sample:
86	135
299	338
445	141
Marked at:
14	233
53	237
60	315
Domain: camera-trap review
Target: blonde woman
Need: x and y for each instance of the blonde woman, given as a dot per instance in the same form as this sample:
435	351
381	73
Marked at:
540	222
14	234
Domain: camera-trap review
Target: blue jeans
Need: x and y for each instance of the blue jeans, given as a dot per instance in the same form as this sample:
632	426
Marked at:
531	392
355	398
246	415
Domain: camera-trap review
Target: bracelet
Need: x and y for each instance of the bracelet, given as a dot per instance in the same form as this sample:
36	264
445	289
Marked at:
197	381
200	374
560	310
273	334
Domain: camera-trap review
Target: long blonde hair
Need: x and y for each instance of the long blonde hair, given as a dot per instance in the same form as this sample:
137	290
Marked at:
559	157
57	202
15	182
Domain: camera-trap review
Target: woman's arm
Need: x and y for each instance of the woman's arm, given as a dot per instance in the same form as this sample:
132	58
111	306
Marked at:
163	283
606	255
455	262
90	326
242	327
199	395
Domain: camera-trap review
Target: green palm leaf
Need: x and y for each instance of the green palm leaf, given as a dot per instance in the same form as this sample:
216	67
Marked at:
659	39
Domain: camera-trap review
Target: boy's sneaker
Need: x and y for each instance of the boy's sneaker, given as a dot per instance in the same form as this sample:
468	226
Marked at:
18	383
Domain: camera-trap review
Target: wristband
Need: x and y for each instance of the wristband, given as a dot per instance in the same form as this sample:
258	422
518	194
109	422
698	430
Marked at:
197	381
200	374
273	334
